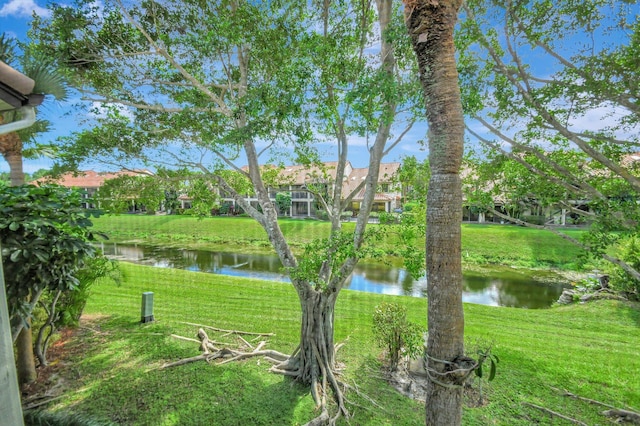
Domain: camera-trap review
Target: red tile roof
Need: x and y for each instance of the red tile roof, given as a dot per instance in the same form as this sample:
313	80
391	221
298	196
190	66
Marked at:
89	178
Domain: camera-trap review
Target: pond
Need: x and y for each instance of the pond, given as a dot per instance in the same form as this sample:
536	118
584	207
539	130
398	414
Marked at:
495	287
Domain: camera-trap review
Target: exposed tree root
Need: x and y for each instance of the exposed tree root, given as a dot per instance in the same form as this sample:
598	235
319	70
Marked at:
623	415
321	376
619	414
555	413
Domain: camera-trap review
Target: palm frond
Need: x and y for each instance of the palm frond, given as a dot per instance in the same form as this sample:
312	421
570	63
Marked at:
47	78
7	49
29	134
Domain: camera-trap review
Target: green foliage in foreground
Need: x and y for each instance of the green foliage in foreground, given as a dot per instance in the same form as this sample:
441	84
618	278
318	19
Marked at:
481	244
591	350
395	334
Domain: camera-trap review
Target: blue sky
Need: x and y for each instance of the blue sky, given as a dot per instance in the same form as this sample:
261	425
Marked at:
15	19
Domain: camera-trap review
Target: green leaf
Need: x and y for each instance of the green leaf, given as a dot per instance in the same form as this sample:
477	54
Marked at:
492	371
15	255
14	226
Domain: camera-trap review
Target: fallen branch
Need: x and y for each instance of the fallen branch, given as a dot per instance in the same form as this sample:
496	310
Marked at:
41	403
590	401
228	331
185	361
267	353
188	339
555	413
623	415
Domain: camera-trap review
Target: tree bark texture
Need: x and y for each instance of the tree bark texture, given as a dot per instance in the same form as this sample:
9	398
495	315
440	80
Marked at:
25	361
431	24
316	351
11	150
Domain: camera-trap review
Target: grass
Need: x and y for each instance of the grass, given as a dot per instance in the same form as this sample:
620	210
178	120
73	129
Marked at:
591	350
481	244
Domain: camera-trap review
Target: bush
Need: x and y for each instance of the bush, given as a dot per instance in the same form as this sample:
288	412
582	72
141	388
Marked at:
322	214
388	218
534	219
393	332
619	279
346	214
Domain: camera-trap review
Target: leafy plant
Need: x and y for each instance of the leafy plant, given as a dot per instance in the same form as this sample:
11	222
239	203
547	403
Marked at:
485	356
46	239
283	202
630	254
393	332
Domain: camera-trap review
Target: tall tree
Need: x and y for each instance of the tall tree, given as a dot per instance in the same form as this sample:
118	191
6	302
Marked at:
554	91
12	148
204	86
431	24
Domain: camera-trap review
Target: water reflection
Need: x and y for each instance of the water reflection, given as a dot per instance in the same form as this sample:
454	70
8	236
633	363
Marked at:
502	288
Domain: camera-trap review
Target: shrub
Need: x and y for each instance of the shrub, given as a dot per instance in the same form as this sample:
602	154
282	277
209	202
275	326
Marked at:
322	214
346	214
393	332
630	253
388	218
534	219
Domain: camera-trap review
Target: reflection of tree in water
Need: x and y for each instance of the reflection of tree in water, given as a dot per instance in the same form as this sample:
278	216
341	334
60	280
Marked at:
378	273
504	288
475	283
407	282
536	295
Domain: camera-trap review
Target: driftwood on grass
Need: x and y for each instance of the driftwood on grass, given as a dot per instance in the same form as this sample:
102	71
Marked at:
284	364
251	333
212	352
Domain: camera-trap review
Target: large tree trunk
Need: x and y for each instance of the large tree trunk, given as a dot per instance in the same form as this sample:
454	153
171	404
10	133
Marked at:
313	362
316	352
431	24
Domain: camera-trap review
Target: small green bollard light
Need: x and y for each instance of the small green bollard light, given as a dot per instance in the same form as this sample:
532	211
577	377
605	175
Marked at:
147	307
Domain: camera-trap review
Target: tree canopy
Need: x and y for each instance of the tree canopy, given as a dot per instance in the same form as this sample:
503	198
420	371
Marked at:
208	86
553	91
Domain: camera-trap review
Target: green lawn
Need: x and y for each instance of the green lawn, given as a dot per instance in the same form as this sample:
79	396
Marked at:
591	350
481	244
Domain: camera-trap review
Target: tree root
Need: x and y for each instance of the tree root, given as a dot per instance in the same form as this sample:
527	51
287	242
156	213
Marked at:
623	415
619	414
555	413
321	378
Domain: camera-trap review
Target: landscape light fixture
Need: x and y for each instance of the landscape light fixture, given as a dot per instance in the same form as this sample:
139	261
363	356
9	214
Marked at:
147	307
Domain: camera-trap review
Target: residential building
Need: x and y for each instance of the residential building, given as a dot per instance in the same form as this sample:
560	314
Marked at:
302	183
89	182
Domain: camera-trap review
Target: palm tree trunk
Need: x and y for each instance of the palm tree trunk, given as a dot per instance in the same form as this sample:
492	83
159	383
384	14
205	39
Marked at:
430	24
11	150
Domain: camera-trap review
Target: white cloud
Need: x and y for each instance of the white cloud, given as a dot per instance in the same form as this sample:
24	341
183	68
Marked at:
23	9
101	110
